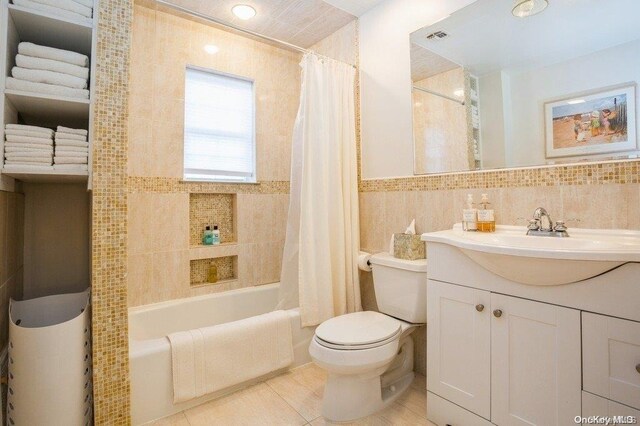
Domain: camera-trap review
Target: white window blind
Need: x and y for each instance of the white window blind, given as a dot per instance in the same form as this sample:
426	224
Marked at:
219	127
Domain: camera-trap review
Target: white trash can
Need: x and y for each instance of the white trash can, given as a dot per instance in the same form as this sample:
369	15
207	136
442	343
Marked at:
50	361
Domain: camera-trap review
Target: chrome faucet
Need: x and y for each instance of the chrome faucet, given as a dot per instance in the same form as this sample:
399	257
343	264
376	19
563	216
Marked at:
536	226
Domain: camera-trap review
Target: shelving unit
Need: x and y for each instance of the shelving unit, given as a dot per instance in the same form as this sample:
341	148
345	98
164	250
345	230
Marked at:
19	24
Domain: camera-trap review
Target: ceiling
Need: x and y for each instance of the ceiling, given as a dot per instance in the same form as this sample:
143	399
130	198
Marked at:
425	63
300	22
485	37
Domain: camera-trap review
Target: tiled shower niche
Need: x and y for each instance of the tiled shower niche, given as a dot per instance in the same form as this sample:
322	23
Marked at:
227	270
212	209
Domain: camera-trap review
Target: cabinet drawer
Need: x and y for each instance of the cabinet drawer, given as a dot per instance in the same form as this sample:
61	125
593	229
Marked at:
593	405
611	358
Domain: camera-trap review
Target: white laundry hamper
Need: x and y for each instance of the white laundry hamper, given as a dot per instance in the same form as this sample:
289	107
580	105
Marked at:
50	361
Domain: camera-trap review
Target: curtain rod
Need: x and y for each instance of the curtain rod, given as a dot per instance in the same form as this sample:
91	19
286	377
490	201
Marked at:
239	29
422	89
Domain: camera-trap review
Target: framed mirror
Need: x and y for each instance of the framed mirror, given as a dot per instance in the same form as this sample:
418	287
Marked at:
502	84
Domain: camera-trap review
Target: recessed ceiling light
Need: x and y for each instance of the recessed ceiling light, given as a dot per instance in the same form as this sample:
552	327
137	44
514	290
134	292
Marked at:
458	92
211	49
575	101
525	8
243	11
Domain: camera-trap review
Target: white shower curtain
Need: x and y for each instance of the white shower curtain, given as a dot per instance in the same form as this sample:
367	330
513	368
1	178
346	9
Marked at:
319	267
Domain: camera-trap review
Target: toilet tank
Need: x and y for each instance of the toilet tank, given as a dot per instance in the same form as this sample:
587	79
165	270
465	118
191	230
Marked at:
401	287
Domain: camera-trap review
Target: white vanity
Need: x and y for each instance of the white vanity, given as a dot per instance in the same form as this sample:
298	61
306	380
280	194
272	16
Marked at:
526	330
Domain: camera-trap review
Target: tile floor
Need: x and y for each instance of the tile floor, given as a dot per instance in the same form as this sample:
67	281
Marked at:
295	398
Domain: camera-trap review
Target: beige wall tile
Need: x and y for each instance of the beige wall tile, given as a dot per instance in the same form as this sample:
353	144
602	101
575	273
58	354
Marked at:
600	206
372	222
268	262
518	204
140	284
171	275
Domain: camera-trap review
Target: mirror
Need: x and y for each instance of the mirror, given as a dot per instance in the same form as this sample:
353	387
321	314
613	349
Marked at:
491	89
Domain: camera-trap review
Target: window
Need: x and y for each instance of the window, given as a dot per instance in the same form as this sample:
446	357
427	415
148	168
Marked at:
219	127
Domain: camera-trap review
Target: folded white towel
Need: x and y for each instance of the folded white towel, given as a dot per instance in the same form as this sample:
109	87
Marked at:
56	11
49	77
71	142
75	137
11	129
64	153
46	89
29	139
69	5
14	167
67	148
29	159
20	145
26	133
34	63
71	167
23	153
209	359
45	52
62	129
70	160
43	149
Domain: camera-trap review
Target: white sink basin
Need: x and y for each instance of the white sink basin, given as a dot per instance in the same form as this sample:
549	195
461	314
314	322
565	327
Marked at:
538	260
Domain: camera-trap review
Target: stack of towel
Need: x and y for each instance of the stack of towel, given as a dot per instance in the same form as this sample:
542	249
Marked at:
78	10
72	149
27	147
50	71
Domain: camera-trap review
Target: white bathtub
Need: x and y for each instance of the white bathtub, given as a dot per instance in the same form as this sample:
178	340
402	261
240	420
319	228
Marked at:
150	352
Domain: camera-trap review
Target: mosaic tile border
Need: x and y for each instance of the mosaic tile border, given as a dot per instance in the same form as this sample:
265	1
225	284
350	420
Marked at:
111	387
620	172
176	185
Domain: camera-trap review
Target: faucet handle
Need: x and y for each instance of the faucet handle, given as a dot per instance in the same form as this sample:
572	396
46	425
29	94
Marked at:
534	225
560	226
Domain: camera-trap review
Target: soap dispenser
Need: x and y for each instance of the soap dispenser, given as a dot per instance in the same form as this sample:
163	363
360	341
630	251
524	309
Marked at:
470	216
486	217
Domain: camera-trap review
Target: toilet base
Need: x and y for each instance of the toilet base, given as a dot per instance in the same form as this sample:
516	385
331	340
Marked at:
350	397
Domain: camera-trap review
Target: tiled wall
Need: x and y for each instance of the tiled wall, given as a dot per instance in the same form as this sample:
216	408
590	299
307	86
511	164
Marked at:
160	229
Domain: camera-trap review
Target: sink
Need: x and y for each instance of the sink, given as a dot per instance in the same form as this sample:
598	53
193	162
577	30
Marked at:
537	260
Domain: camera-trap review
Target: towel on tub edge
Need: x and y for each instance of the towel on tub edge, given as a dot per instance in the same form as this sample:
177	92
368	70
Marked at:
209	359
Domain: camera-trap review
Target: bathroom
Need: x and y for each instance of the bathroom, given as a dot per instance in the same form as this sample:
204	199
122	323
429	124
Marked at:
431	100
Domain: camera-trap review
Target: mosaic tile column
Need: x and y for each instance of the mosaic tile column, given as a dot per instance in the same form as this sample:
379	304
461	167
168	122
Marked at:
109	215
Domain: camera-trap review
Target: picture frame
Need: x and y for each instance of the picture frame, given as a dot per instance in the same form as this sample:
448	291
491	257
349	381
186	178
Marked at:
598	122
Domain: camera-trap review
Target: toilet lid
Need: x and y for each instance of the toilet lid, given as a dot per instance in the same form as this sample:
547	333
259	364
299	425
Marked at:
358	328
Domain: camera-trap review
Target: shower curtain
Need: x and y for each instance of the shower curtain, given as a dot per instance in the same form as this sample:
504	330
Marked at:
319	266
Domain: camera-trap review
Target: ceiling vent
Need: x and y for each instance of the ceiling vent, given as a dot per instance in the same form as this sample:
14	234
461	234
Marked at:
438	35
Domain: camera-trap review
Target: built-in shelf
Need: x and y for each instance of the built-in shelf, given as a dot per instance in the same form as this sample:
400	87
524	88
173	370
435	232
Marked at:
49	110
227	267
47	176
51	30
212	252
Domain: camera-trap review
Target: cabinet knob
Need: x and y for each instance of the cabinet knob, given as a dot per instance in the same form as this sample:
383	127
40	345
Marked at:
638	368
480	307
497	313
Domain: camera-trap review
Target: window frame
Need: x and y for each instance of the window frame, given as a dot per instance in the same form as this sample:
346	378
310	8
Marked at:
254	149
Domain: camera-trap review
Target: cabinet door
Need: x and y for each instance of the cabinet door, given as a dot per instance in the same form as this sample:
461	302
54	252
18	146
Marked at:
458	345
535	363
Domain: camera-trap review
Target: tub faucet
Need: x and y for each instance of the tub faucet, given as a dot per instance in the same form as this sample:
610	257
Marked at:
537	227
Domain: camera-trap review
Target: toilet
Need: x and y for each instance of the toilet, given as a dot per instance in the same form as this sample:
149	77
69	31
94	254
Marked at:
369	355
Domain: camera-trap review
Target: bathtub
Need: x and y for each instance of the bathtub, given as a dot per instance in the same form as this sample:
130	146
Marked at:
150	352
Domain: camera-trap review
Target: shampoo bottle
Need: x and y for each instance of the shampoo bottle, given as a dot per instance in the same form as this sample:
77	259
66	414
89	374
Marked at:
216	235
470	216
207	236
486	217
212	276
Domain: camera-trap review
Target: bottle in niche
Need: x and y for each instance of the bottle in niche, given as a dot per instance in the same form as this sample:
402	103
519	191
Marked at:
216	235
486	217
470	216
212	276
207	236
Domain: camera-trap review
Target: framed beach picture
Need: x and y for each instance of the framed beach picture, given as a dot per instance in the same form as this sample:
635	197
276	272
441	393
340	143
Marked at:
599	122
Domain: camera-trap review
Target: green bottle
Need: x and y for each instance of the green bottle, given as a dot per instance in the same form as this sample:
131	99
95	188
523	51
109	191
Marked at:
207	236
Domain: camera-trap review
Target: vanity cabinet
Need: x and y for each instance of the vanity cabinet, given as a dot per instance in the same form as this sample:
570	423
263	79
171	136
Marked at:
509	360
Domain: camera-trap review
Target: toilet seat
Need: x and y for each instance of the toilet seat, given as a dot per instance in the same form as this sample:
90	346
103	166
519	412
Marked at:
359	330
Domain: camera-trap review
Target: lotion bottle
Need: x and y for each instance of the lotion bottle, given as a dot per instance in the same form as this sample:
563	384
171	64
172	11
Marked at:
486	217
216	235
470	216
207	236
